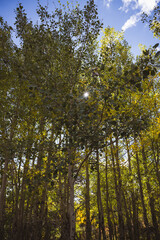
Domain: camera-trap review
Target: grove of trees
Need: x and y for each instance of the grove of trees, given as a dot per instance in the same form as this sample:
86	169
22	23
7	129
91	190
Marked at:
79	129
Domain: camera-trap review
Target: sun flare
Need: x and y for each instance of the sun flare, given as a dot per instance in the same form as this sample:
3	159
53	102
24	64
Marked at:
86	94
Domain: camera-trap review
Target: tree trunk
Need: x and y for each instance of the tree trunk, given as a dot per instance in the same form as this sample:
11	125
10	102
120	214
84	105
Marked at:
156	160
88	222
2	198
7	156
110	226
142	196
99	203
71	202
151	198
118	196
64	208
135	216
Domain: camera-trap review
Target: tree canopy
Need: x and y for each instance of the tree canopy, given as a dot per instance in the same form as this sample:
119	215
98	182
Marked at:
79	129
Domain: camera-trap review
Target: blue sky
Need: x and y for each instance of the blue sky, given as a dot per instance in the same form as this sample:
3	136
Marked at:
120	14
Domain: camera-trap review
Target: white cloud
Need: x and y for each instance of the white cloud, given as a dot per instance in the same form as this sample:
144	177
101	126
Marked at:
107	3
131	21
141	6
127	4
147	6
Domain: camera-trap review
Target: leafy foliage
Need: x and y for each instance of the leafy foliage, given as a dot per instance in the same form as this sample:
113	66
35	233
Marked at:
75	165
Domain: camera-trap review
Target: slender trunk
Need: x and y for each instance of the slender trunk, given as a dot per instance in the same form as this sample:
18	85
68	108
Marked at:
15	218
99	203
151	198
2	198
71	202
7	157
43	200
22	213
128	218
88	222
156	160
115	234
110	226
41	144
20	223
118	196
64	208
48	226
135	216
142	195
121	193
